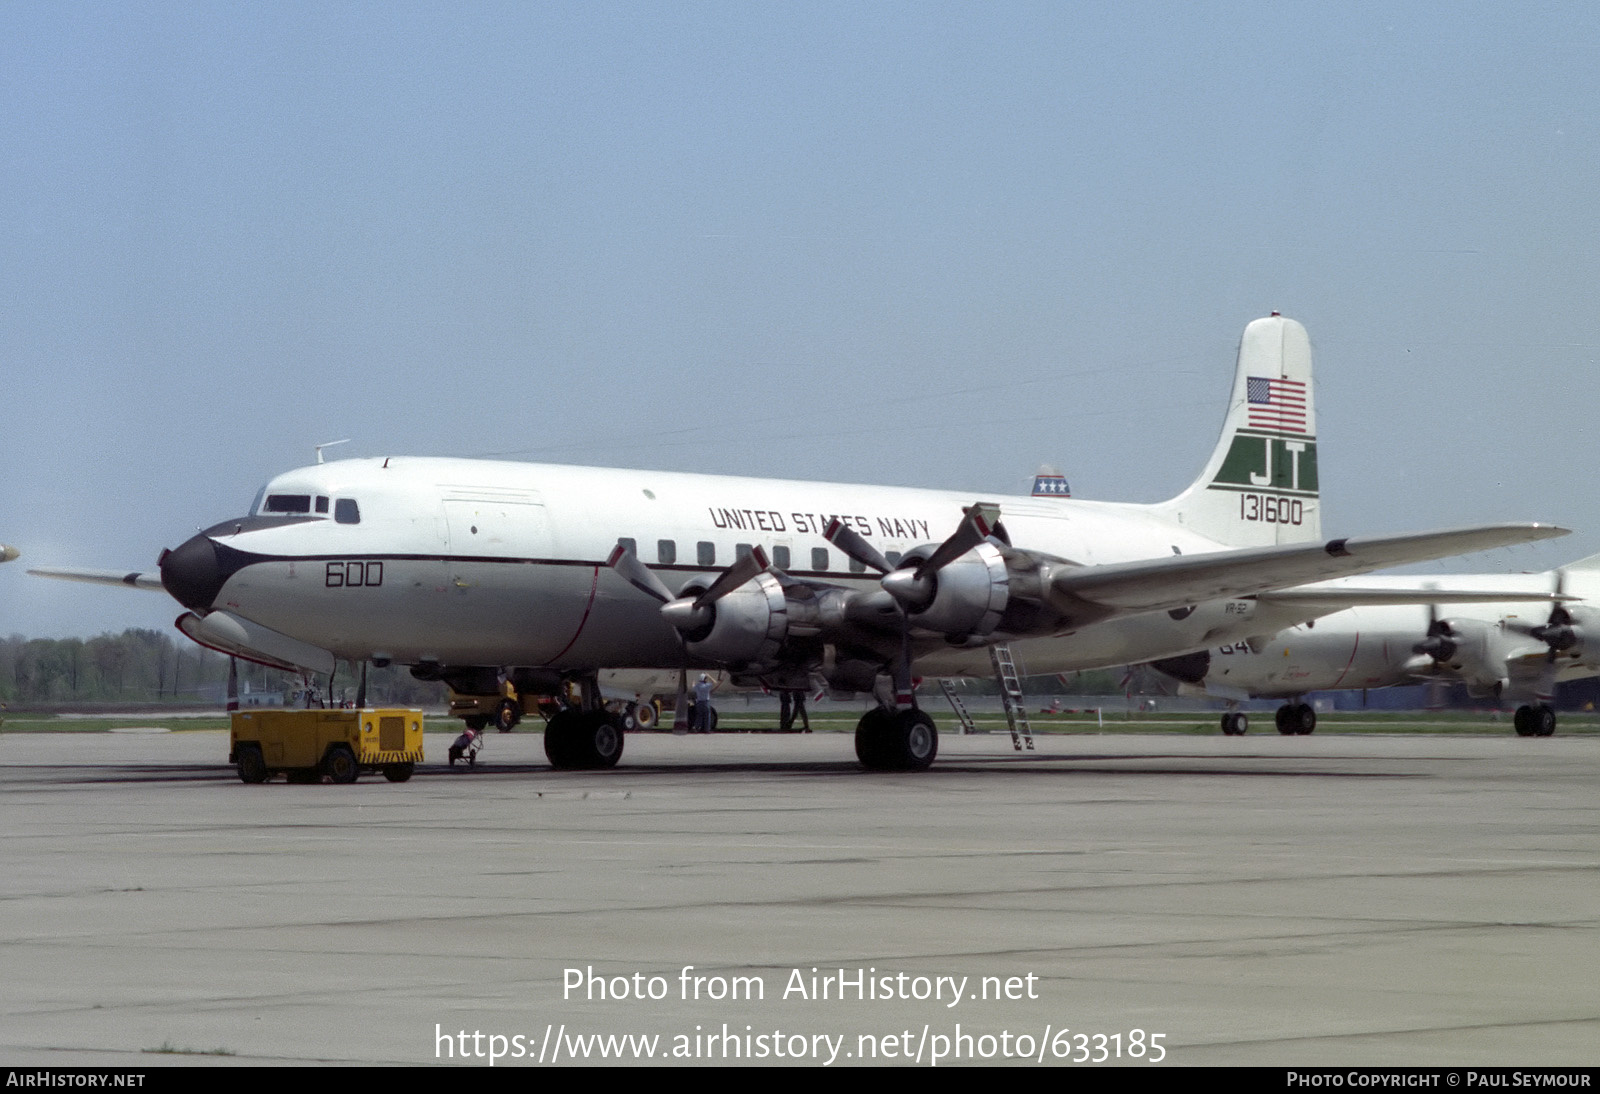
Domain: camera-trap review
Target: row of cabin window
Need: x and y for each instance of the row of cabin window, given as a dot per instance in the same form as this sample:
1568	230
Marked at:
706	554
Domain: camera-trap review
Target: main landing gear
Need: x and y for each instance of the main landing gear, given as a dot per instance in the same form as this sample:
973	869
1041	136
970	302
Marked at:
896	740
583	739
1295	719
586	736
1539	721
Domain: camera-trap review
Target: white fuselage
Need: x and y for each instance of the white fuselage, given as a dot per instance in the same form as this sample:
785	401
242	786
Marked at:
469	562
1375	647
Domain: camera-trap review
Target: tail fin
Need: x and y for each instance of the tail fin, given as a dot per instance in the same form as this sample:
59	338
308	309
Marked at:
1260	486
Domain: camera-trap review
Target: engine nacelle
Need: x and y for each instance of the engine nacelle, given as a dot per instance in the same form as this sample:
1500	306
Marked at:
964	599
746	627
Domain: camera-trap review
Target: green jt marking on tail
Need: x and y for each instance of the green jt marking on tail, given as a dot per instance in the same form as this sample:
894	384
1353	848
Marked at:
1268	463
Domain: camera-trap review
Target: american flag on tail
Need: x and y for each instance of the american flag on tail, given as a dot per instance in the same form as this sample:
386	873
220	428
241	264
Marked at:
1276	404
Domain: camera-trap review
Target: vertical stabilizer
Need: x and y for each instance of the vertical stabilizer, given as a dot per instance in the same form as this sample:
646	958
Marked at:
1260	486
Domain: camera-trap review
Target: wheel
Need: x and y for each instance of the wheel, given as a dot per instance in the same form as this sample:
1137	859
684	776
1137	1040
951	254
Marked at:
1227	725
340	764
1543	721
644	715
560	736
905	740
1305	719
507	715
871	731
1241	724
599	743
477	721
398	773
1284	718
915	740
252	768
1522	721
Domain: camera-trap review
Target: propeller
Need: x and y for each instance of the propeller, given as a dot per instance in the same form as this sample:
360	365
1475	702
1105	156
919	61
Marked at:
233	684
1558	631
914	586
1441	642
688	614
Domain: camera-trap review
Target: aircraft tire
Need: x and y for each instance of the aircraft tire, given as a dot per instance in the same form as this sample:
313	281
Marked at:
872	732
1522	721
1543	721
507	715
397	773
252	767
1305	719
915	741
339	764
1283	717
599	743
560	734
1241	724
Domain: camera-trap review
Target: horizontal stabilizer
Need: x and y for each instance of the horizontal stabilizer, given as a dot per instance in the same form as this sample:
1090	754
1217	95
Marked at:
131	578
229	634
1165	583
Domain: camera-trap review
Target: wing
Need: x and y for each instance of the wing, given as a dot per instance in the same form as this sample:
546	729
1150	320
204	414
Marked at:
131	578
1165	583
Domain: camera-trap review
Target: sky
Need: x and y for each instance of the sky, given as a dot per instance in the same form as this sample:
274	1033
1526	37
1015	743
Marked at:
921	244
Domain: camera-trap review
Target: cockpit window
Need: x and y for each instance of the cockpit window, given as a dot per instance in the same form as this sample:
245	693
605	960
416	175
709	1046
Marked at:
322	504
346	511
288	503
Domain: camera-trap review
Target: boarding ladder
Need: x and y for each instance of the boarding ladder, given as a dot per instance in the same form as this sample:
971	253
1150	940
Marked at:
958	706
1005	671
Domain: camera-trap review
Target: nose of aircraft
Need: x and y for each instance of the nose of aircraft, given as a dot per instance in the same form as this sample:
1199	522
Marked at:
194	573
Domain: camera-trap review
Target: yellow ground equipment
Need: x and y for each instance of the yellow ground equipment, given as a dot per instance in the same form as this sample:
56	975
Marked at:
308	744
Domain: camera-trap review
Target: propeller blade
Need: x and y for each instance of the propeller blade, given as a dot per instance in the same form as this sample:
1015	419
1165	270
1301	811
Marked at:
637	574
361	689
973	530
852	543
734	576
233	684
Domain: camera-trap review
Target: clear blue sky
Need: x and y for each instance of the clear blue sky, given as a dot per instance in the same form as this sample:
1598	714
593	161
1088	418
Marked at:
908	243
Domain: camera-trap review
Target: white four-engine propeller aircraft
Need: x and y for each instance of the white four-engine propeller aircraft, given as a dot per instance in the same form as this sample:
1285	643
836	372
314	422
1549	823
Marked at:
470	571
1513	652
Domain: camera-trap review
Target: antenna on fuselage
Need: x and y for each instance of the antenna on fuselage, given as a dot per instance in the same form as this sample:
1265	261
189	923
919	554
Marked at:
328	444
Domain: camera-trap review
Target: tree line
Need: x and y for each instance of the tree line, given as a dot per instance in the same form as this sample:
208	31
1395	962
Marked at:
148	666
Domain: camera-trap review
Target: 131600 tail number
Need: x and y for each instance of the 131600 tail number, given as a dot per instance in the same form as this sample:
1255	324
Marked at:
1271	509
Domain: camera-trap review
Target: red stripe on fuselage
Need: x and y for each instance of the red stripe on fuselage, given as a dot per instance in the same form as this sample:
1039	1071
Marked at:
587	608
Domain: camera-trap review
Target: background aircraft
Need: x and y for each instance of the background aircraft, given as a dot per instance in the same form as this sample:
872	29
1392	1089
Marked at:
1515	652
473	571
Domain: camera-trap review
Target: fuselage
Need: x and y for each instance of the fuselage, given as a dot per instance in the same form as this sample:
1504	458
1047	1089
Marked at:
1378	646
469	562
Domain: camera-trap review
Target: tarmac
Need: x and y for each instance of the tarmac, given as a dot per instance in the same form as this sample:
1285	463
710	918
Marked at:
1287	901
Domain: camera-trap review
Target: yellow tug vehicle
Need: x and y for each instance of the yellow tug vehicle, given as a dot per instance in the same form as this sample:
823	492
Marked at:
308	745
